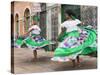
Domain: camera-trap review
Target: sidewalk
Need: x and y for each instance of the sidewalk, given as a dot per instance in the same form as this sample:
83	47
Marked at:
24	63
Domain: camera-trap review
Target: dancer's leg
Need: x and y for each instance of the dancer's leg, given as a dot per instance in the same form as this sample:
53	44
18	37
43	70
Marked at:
35	54
78	60
73	61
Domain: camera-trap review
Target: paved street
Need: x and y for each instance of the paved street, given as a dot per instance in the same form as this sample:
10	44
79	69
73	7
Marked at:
24	63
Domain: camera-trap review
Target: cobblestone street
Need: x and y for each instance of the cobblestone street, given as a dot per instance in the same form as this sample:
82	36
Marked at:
24	62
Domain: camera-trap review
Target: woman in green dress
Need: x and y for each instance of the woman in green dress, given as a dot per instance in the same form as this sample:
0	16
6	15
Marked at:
73	40
33	40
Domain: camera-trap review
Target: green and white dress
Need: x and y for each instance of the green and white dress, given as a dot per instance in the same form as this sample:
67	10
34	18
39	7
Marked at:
74	41
34	41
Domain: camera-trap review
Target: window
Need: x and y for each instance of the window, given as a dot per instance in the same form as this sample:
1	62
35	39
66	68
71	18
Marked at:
26	19
54	23
17	24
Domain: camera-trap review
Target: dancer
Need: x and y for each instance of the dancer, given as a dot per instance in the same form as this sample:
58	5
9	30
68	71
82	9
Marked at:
73	40
33	40
34	37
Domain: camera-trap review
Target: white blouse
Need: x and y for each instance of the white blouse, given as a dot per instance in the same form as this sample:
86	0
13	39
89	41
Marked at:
71	25
36	29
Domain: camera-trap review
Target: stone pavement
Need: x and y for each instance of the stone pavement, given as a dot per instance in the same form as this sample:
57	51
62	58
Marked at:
24	62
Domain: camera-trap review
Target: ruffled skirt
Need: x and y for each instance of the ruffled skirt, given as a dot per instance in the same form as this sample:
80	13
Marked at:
74	43
34	42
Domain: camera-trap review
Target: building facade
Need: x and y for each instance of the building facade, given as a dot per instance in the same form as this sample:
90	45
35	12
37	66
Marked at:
89	15
50	17
53	22
21	16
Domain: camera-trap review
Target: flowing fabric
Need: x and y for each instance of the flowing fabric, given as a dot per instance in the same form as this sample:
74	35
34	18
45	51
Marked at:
75	43
34	42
